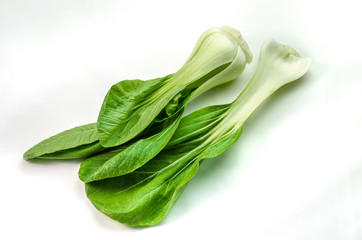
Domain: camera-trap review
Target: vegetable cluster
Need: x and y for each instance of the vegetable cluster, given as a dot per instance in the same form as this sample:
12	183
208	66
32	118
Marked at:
140	154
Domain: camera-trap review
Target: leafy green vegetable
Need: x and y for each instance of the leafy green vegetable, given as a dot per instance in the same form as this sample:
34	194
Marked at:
145	114
130	106
137	154
144	196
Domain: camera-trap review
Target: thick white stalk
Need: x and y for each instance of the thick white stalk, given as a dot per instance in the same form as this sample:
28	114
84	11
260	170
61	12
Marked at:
278	65
215	48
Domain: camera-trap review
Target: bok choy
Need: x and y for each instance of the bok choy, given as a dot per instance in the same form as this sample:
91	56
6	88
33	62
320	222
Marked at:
131	106
144	196
143	115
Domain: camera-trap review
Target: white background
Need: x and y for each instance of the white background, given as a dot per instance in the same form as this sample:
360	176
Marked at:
295	173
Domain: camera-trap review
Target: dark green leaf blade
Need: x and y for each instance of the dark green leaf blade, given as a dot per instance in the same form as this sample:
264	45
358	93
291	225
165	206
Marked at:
129	157
144	196
72	138
75	153
128	108
196	126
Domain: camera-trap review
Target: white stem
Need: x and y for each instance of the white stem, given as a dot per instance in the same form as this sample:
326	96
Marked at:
215	48
278	65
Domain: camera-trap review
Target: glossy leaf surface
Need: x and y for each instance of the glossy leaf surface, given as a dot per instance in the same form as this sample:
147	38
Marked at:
129	107
144	196
128	157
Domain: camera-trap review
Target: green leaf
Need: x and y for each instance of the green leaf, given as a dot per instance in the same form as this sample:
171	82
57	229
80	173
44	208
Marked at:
69	139
74	153
128	157
144	196
196	126
128	108
173	105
